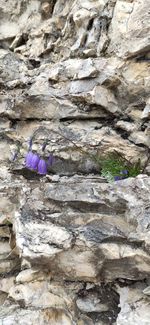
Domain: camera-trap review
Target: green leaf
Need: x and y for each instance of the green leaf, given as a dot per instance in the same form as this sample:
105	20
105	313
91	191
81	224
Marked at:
114	163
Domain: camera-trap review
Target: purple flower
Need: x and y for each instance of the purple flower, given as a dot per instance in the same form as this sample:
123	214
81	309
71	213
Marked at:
51	160
28	159
34	162
42	167
117	178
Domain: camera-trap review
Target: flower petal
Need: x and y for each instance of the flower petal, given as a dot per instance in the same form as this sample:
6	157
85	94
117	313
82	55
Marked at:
42	167
28	159
34	162
117	178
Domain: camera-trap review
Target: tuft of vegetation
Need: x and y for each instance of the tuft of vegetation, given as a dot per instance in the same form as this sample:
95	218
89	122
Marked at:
115	167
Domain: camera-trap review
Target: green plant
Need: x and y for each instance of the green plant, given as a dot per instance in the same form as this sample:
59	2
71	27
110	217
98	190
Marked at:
116	167
113	165
135	169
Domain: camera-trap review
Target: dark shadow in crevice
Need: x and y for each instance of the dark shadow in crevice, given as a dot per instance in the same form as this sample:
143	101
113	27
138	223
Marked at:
34	64
90	24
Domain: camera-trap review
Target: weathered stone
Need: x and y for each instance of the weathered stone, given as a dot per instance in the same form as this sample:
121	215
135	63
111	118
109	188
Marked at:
127	126
13	70
4	124
4	148
73	147
146	291
104	97
129	28
146	111
136	75
30	275
46	9
134	308
9	266
96	300
76	74
33	316
140	138
3	297
7	283
59	247
49	107
4	231
24	11
4	249
36	295
77	69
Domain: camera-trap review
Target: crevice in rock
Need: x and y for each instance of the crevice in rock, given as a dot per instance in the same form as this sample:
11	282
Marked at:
90	24
19	41
83	207
5	44
141	55
34	64
100	300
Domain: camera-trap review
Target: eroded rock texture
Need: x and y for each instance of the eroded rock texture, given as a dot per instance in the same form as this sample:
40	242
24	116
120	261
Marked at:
74	249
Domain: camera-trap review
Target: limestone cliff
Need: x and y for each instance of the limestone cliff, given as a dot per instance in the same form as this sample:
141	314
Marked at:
74	248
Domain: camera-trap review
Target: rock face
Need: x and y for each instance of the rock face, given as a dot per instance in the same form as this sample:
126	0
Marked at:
74	249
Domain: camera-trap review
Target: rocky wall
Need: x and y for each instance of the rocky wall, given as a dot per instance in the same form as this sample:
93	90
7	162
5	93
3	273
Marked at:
74	249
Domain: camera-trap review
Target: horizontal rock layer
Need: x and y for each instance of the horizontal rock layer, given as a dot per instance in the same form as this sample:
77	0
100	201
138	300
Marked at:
74	249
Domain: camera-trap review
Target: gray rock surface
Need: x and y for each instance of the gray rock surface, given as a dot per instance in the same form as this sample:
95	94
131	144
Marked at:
74	249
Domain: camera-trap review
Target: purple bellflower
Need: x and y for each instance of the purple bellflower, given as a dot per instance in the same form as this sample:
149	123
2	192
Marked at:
123	175
34	161
117	178
42	167
28	159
